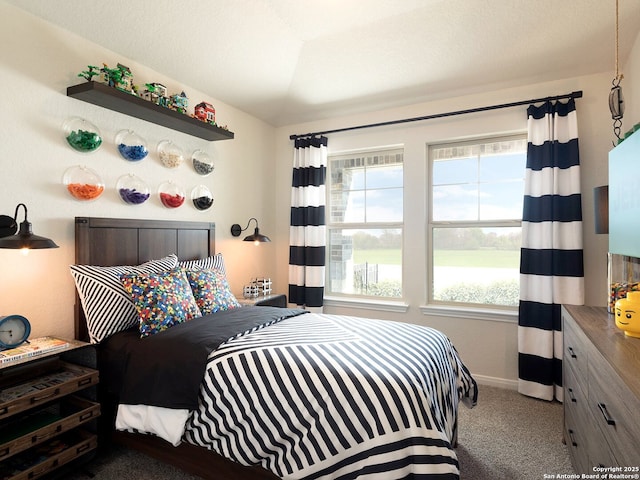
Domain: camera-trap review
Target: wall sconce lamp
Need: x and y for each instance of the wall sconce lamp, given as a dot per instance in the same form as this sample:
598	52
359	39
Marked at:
601	208
256	238
25	239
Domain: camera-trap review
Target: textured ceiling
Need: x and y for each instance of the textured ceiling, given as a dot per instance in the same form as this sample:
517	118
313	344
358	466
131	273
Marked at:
291	61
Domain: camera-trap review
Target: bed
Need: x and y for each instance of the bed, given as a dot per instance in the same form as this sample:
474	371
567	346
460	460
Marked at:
261	392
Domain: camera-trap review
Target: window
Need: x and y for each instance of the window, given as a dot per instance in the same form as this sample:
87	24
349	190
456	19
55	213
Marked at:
477	191
365	224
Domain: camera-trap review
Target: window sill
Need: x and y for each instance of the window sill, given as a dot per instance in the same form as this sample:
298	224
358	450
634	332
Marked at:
367	304
495	315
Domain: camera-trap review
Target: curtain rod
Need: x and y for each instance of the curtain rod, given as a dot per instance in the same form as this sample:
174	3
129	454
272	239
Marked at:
577	94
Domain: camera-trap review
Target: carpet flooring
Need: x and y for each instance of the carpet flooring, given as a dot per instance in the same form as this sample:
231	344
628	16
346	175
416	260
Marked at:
508	436
505	437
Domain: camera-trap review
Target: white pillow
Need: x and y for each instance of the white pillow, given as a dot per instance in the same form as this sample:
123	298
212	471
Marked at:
209	263
107	306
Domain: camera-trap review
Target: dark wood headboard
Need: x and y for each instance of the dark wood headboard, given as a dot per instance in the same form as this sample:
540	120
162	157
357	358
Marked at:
122	241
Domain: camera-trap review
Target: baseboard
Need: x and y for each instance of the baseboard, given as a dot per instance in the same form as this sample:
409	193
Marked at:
496	382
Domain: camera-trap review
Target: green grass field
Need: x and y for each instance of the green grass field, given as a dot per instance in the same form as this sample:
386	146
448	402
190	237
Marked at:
446	258
477	258
384	256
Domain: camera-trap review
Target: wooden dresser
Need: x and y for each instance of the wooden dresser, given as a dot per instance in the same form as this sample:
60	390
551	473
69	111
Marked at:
601	370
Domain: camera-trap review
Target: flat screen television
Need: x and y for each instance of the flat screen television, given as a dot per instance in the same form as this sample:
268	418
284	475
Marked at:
624	197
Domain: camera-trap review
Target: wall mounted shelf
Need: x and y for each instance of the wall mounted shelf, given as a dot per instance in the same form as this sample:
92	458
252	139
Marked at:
119	101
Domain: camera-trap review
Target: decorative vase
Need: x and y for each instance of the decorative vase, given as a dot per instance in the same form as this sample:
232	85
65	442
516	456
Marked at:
201	197
171	194
132	189
82	135
202	163
131	146
623	277
83	183
170	154
628	314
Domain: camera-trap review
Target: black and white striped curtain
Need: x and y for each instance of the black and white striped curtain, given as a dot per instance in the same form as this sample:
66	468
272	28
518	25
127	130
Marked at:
307	237
551	265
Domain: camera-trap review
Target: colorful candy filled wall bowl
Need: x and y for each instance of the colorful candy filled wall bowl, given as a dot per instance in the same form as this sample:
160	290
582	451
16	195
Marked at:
83	183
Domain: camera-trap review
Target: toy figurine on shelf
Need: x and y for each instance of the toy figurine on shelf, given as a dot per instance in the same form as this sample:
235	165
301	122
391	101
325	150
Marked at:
126	79
179	102
205	112
119	77
89	74
154	92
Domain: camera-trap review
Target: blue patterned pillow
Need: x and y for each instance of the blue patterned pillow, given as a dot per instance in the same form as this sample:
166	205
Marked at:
211	291
162	300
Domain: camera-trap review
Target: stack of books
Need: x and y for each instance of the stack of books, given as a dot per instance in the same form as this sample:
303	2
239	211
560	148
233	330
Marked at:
33	348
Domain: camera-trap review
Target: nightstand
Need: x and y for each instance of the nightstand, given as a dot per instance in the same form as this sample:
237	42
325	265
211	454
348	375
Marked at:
274	300
48	411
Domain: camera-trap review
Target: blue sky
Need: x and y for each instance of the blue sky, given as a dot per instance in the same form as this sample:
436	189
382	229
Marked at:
490	187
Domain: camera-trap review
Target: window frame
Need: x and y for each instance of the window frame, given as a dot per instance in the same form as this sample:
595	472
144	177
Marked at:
357	299
450	308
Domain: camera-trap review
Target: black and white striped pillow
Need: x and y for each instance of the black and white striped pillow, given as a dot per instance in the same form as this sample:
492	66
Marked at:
107	306
209	263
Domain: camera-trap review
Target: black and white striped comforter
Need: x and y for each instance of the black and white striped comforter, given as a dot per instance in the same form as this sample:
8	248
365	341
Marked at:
333	397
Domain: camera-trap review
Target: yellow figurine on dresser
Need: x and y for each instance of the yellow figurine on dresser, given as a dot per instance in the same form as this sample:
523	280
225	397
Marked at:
628	314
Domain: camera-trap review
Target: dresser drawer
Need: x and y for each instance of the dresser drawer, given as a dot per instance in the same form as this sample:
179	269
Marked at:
576	347
600	454
616	411
62	380
575	398
45	458
42	424
576	435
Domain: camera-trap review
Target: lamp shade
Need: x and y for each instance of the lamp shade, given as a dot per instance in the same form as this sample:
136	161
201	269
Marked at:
25	238
601	208
256	238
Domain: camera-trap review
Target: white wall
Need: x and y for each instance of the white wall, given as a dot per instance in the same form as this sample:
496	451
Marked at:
252	178
37	63
631	87
489	346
